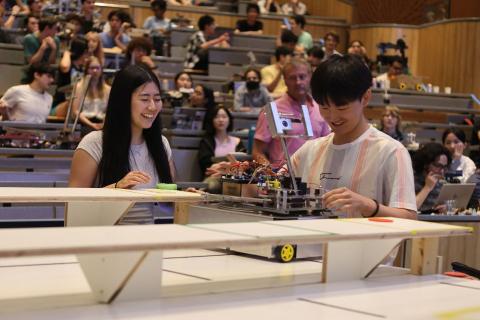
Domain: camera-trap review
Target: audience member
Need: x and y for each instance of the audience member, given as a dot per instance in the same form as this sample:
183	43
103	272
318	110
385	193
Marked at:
269	6
10	21
116	37
29	102
294	7
370	173
70	67
74	25
43	45
315	56
454	140
139	51
217	143
130	151
357	47
251	95
297	75
395	68
429	165
331	42
95	47
91	18
31	23
392	122
180	96
305	40
96	99
250	26
287	39
197	48
35	7
272	76
157	24
202	97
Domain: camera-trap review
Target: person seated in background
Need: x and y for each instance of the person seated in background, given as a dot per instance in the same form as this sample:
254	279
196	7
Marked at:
197	48
392	122
305	40
250	26
30	102
357	47
272	75
157	24
91	18
183	90
267	150
35	7
202	97
252	95
269	6
429	165
217	143
95	103
371	173
43	45
74	25
139	51
116	36
331	42
31	23
95	47
315	56
287	38
454	140
8	22
294	7
70	67
395	68
130	151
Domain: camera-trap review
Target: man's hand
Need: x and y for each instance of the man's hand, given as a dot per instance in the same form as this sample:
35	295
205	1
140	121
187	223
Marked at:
431	180
345	200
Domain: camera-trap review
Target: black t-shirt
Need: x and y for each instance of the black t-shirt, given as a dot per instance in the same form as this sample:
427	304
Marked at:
242	25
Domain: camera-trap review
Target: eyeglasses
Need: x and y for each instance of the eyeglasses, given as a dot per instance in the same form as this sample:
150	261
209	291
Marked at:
440	166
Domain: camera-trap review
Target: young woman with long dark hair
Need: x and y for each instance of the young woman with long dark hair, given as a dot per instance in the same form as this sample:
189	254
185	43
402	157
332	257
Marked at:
130	152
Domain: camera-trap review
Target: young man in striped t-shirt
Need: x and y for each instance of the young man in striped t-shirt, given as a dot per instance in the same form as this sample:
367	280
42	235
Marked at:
372	173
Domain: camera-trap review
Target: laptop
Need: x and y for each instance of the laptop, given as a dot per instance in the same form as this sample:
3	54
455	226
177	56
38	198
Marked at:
460	192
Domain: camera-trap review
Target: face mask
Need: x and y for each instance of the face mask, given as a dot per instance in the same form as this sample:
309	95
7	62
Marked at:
252	85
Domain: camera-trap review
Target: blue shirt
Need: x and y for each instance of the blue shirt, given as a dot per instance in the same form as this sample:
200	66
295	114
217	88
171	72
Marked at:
153	24
109	42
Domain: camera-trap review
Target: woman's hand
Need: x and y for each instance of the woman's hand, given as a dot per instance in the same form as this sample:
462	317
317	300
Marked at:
431	180
132	179
459	147
345	200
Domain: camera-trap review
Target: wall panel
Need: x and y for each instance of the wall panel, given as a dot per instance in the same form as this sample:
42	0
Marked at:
330	8
444	54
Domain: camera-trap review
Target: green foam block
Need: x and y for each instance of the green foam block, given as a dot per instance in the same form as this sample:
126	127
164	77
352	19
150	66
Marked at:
167	186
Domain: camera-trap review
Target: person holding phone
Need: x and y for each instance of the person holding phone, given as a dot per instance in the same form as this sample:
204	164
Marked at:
429	165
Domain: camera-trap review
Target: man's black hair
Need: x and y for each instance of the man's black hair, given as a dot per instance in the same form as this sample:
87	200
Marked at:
340	80
205	21
40	68
121	15
159	4
300	20
282	51
253	6
288	37
46	22
316	51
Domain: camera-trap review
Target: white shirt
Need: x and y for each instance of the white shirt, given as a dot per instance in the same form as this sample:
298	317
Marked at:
466	165
25	104
374	165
